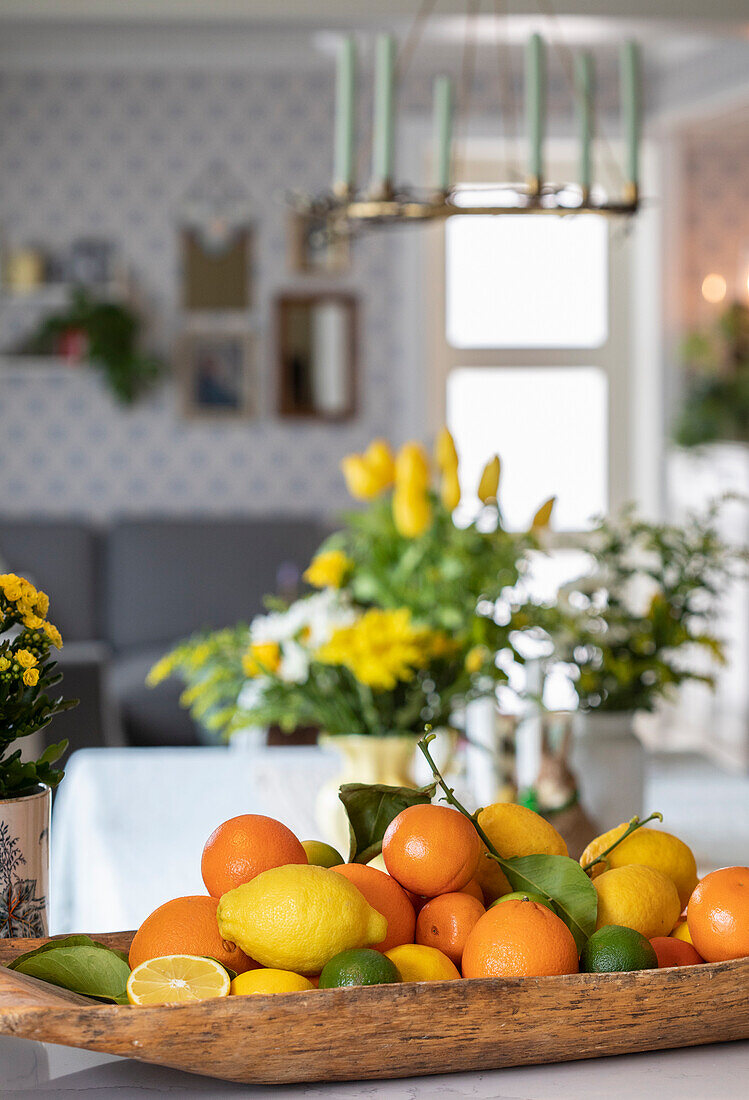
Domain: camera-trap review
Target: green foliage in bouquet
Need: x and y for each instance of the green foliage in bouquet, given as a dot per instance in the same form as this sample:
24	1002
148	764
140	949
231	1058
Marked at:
716	402
26	677
631	629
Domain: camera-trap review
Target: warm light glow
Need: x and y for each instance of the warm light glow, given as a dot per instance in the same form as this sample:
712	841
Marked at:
714	288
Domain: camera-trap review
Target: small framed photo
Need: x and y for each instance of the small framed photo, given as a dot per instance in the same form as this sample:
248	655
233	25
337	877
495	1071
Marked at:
216	374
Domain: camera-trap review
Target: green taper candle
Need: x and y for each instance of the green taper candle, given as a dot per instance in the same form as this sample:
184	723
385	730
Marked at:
630	80
535	106
584	77
384	98
443	127
344	116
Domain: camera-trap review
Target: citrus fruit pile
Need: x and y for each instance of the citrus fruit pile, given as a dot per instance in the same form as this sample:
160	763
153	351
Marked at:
281	916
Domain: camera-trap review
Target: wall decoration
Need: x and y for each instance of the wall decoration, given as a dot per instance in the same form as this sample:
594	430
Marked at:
215	372
316	355
216	276
90	263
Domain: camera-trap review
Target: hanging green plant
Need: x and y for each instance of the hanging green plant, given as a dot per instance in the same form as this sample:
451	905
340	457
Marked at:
109	335
716	400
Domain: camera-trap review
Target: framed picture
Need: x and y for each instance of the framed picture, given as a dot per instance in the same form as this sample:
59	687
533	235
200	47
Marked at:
216	268
215	372
316	355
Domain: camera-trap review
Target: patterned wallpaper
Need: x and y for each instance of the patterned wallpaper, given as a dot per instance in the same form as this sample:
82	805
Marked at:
112	155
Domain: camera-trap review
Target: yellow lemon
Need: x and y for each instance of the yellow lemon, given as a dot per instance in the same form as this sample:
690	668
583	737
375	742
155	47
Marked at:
177	979
417	963
514	831
652	848
269	981
681	932
379	864
297	917
637	897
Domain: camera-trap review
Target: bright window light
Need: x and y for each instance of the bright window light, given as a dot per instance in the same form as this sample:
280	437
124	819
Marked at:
518	281
549	426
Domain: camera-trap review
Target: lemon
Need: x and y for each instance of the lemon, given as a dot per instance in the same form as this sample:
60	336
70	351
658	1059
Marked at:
321	854
514	831
637	897
177	979
652	848
269	981
417	963
681	932
379	864
297	917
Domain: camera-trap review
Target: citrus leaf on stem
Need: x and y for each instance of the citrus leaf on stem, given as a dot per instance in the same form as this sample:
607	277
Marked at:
370	807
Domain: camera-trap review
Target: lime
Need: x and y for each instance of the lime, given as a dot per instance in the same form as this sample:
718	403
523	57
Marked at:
320	854
360	966
520	895
614	948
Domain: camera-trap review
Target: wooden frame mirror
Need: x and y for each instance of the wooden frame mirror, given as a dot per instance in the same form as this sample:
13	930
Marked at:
316	348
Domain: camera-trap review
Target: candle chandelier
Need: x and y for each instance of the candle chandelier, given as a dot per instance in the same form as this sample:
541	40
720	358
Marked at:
338	213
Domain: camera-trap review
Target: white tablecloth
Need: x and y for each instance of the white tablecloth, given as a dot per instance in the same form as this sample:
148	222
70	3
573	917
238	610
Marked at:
129	825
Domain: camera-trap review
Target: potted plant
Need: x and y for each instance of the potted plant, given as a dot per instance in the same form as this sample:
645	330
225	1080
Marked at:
26	677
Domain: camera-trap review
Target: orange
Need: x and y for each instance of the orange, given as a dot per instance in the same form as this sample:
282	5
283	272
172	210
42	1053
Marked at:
718	915
446	921
474	889
385	895
186	926
245	846
673	952
519	938
431	850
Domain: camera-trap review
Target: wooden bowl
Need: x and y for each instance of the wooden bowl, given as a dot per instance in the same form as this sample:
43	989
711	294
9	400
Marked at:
392	1030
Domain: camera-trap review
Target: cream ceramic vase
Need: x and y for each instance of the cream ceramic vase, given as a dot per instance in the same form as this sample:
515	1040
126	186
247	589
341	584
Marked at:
366	759
608	761
24	865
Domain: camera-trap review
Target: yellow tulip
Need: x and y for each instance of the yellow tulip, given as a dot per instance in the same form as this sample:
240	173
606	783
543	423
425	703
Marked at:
412	468
262	658
328	569
450	489
379	457
361	480
542	518
489	483
445	454
412	512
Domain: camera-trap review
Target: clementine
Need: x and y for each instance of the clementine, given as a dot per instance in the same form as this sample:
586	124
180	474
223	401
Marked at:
385	895
186	926
671	952
474	889
446	921
718	915
431	850
243	847
519	938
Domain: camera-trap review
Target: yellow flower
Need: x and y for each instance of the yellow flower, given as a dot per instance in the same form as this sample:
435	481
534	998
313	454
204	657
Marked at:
450	489
199	655
412	512
476	658
381	648
53	634
41	605
440	645
12	586
31	677
542	518
445	454
24	658
262	658
162	670
379	458
4	664
327	570
412	468
489	483
362	481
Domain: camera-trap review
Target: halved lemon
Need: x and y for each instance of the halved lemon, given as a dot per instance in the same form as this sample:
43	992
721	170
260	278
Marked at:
177	979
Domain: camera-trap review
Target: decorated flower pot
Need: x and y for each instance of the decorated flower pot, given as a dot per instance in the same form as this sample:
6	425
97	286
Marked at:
24	864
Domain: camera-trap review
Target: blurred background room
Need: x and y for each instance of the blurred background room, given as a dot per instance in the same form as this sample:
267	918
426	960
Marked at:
193	336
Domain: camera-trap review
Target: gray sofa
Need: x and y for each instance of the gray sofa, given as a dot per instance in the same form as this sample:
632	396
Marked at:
123	595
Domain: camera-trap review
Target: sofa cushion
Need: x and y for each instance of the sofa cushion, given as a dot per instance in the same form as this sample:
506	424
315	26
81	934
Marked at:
145	715
169	578
63	559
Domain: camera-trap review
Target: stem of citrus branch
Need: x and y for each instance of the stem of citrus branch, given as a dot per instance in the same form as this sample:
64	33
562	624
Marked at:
633	826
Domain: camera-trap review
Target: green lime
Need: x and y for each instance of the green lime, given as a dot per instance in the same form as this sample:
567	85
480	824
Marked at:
359	966
614	948
320	854
520	895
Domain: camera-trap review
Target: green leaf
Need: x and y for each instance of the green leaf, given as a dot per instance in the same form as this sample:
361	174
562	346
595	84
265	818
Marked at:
370	809
79	964
564	882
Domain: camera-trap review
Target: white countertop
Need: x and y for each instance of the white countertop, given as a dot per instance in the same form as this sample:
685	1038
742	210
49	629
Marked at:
37	1069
